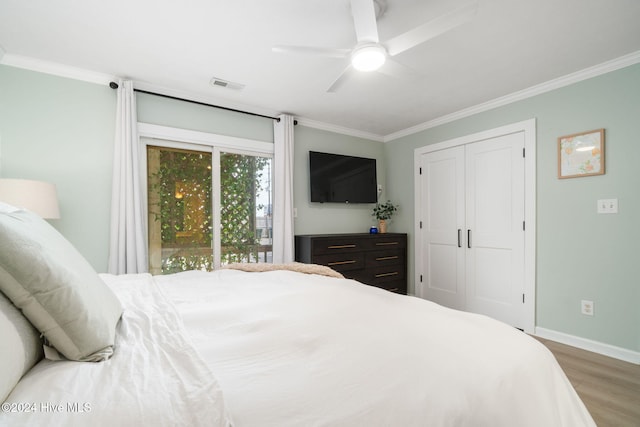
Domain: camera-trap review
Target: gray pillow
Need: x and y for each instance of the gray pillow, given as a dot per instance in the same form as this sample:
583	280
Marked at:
56	288
21	346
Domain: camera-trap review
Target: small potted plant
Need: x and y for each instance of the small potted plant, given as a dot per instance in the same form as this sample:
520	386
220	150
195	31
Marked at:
383	212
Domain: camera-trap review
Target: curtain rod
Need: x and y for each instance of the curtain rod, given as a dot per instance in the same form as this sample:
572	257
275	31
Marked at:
114	85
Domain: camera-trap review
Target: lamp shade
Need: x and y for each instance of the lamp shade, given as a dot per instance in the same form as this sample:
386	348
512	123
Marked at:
36	196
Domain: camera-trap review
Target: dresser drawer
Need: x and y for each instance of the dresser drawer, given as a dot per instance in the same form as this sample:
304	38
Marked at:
381	243
377	275
342	261
385	257
337	246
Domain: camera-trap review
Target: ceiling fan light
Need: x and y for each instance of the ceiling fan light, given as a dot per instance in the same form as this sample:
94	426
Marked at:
368	58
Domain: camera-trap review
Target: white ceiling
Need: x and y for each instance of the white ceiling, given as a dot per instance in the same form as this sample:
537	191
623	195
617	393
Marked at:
510	45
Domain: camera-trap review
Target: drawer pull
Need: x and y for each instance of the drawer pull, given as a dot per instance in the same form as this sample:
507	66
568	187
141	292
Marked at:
341	262
385	258
393	290
393	273
387	243
341	246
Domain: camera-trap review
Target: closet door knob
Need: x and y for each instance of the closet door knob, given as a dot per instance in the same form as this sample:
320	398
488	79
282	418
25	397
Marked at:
469	238
459	237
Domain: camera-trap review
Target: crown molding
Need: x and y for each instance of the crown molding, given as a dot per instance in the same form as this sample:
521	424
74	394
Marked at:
339	129
266	112
588	73
55	69
81	74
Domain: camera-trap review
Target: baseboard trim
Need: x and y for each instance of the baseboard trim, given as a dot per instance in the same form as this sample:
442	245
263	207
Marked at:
589	345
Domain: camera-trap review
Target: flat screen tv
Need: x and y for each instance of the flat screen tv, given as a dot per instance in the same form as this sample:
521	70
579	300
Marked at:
336	178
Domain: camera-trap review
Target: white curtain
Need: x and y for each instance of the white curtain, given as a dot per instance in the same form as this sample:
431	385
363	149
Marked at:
128	251
283	244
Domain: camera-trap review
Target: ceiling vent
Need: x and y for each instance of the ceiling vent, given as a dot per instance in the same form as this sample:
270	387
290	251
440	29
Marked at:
225	84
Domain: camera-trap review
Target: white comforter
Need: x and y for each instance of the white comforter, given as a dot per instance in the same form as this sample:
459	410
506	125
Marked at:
297	350
155	377
300	350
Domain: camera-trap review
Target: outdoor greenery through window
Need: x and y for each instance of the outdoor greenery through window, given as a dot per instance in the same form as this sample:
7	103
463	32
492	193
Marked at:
183	186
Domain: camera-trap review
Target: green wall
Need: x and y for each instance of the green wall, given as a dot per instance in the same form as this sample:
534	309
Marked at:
61	130
185	115
580	254
319	218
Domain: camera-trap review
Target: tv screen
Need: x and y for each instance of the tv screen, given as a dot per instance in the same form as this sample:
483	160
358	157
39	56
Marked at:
337	178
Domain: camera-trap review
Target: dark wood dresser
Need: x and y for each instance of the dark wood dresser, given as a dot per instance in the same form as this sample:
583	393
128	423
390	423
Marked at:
375	259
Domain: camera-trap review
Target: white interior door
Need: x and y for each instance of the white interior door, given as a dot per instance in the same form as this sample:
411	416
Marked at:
442	229
495	234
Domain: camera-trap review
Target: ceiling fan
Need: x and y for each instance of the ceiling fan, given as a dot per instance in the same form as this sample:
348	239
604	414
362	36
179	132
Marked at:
369	54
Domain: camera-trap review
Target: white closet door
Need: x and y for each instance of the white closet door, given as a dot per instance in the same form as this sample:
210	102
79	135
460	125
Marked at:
442	233
494	222
472	208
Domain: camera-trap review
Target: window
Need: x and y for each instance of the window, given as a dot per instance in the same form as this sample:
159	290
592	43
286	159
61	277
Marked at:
179	188
245	208
194	190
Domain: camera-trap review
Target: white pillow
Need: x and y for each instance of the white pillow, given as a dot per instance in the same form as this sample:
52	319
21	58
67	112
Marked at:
55	287
21	347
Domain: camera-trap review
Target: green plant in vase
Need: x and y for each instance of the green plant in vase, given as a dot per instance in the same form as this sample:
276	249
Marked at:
383	212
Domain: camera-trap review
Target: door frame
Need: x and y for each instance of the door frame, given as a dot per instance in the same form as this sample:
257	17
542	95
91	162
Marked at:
528	128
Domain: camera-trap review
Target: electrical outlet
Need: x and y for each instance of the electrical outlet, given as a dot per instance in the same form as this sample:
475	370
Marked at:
587	307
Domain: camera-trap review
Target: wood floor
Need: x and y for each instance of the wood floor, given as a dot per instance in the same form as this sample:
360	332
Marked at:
610	388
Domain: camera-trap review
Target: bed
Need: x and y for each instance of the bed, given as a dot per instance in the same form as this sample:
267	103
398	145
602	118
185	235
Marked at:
278	348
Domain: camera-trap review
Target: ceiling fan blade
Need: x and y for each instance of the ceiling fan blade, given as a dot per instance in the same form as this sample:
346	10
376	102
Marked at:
431	29
398	70
364	19
315	51
342	78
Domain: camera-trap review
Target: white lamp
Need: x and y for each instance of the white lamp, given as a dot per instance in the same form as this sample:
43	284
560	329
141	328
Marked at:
36	196
368	57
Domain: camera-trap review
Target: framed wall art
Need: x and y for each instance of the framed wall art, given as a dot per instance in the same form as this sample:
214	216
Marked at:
581	154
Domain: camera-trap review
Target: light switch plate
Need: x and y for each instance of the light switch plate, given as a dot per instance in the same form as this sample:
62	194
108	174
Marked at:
608	206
